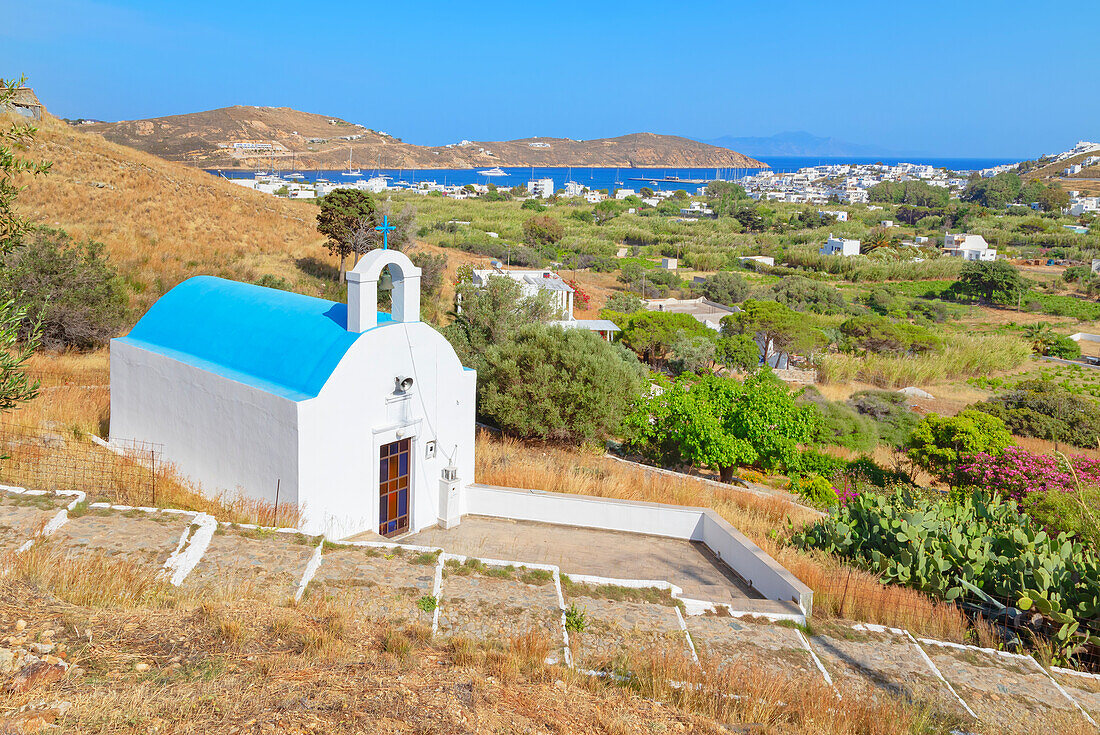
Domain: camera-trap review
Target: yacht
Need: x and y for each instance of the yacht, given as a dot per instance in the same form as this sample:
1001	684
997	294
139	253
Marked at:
495	171
351	171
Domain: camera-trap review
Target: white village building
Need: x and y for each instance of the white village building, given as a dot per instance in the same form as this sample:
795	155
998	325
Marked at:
840	246
533	281
361	420
541	188
968	247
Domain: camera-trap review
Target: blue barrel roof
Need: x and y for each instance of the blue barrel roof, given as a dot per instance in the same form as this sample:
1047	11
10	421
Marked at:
281	342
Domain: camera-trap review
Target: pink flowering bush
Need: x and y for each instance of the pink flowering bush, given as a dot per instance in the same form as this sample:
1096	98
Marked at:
1017	472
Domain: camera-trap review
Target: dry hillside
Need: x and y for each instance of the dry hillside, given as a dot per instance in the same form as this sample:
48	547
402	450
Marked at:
203	139
1086	181
161	221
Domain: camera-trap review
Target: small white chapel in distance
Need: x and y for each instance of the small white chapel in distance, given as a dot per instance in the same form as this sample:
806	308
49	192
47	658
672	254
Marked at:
361	420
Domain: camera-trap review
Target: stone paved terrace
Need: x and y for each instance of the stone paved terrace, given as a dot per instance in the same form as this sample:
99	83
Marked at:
992	691
590	551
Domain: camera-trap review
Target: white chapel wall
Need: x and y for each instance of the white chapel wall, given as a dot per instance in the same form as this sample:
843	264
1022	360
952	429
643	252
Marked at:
344	426
225	435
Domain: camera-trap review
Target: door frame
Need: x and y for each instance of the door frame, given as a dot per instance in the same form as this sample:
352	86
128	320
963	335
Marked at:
382	437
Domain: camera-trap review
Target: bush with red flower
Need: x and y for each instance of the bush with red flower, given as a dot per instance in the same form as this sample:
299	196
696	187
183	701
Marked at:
1016	472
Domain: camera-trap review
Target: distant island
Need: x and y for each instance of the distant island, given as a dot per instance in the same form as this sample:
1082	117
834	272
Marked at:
242	137
799	143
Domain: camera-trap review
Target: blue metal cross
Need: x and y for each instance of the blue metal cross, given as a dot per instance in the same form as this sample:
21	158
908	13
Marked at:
385	228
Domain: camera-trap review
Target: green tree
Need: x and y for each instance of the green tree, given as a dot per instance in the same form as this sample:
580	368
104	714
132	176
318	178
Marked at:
691	354
877	335
804	294
15	138
558	384
346	216
737	352
721	423
624	303
651	333
776	326
996	281
15	386
542	231
939	442
492	315
995	192
71	295
1053	198
726	288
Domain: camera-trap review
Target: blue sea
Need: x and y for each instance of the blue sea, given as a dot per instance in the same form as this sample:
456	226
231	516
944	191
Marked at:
615	178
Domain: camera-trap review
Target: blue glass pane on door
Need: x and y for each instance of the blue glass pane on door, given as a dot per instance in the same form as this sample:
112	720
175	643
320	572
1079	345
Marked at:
402	502
403	463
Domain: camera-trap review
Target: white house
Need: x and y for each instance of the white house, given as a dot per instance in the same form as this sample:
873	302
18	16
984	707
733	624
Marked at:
840	214
361	420
573	189
624	193
534	281
542	188
669	264
968	247
840	246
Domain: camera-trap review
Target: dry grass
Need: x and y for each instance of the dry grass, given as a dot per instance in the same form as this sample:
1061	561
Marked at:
510	463
60	460
162	222
232	667
793	704
92	580
961	357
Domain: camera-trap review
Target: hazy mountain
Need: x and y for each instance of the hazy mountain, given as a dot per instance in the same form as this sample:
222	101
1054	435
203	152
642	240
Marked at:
798	143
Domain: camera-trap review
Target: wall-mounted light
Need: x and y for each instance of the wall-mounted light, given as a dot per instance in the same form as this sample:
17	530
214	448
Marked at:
403	383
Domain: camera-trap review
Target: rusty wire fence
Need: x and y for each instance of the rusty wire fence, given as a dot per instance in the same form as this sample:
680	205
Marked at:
41	459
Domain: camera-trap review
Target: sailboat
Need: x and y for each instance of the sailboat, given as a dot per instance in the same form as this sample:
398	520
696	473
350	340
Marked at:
618	182
351	171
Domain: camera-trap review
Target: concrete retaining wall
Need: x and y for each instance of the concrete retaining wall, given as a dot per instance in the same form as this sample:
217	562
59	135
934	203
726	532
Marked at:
744	557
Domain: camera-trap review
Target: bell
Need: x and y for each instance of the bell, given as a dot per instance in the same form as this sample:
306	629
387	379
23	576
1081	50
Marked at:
385	283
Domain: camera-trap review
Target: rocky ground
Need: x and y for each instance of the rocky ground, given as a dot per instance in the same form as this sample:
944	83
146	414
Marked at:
87	613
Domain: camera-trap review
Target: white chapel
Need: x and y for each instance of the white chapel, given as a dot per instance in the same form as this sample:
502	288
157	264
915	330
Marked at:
361	420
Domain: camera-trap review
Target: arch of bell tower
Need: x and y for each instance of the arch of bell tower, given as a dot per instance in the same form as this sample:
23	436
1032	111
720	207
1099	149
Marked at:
363	289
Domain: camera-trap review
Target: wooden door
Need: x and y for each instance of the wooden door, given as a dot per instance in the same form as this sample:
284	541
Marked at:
393	488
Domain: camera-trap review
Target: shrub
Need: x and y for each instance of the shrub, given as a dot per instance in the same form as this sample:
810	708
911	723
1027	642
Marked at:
71	288
542	230
879	335
802	294
559	384
815	490
721	423
575	619
726	288
1063	347
1072	513
813	462
1016	473
938	443
893	418
843	425
624	303
1046	410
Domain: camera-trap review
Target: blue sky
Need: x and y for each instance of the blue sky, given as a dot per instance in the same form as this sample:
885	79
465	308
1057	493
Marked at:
970	78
